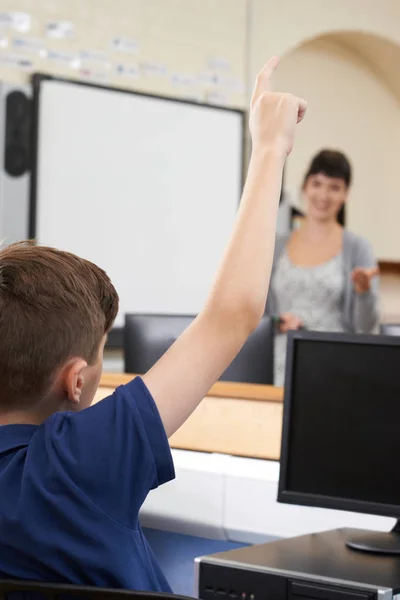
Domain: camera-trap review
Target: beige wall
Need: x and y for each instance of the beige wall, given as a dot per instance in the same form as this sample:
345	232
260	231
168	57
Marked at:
278	26
352	110
184	36
352	85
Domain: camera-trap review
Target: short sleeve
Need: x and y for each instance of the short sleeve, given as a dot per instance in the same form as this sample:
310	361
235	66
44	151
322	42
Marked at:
115	451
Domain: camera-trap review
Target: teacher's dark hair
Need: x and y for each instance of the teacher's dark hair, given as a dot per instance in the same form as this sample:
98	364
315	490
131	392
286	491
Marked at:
331	163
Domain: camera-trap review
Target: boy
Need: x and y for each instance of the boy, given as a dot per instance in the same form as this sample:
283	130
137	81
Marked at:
72	481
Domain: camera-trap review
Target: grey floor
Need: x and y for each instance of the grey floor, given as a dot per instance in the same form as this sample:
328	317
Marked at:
176	553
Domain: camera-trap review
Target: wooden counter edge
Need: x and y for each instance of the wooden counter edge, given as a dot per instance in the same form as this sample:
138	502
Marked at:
221	389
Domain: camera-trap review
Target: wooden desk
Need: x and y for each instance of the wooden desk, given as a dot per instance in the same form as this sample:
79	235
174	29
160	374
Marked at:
235	418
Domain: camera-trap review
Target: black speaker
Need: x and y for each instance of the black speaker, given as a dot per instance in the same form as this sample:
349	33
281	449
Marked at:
15	161
17	150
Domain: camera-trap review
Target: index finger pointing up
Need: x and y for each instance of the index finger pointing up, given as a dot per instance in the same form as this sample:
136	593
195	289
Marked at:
263	81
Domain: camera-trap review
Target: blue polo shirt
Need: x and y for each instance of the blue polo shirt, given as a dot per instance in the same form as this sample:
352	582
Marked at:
71	490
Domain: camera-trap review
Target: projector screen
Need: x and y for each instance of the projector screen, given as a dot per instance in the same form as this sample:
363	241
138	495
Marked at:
146	187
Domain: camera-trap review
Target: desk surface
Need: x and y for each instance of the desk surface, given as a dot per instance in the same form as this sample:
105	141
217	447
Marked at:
235	418
322	556
221	389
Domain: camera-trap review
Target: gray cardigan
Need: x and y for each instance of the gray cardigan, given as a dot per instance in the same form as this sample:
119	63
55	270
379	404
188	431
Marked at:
360	311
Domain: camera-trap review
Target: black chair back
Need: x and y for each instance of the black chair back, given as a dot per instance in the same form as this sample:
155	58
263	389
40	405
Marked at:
27	590
148	337
255	361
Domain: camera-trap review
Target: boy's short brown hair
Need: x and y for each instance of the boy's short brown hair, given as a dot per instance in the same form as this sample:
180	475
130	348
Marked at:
53	306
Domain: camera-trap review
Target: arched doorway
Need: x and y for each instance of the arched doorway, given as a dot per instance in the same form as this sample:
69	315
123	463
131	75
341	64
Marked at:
351	82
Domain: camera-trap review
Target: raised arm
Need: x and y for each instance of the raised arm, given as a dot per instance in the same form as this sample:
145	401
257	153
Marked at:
183	376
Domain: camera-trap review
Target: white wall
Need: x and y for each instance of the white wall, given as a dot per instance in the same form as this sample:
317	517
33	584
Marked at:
351	110
238	502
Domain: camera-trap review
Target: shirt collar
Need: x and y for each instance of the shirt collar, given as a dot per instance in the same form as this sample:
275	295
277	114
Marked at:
13	437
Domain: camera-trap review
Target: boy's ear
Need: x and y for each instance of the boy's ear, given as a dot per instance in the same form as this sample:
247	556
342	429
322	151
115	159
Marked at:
74	379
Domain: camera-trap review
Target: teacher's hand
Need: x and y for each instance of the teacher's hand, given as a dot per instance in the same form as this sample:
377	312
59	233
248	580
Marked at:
362	278
289	322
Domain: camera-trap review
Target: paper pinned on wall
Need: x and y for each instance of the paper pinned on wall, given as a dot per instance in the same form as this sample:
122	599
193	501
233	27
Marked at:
120	44
96	59
129	71
218	99
14	61
232	84
3	39
209	78
18	21
68	59
219	83
29	46
59	29
194	97
183	79
218	63
153	69
95	76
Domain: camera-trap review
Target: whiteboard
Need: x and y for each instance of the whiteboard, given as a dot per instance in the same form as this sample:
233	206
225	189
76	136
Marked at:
146	187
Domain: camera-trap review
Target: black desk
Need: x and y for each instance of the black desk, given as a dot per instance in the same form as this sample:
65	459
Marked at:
317	566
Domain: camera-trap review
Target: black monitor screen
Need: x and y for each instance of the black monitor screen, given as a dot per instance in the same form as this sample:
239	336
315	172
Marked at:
341	437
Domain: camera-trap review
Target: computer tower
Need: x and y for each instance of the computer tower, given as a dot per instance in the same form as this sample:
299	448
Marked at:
15	161
312	567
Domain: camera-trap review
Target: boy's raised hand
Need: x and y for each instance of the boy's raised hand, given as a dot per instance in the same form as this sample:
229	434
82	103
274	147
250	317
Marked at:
273	115
236	302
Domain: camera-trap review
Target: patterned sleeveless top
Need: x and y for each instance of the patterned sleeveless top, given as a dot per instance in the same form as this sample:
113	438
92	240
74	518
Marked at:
313	294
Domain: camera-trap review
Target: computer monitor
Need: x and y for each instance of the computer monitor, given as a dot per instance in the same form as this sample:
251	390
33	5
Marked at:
148	337
340	439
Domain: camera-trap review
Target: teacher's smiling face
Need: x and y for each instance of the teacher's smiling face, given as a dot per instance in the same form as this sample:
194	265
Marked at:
324	196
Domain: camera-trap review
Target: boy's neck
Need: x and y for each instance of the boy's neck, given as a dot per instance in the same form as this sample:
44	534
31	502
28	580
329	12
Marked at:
34	416
19	419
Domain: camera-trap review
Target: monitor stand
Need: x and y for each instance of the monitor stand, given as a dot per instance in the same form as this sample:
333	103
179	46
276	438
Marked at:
377	542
